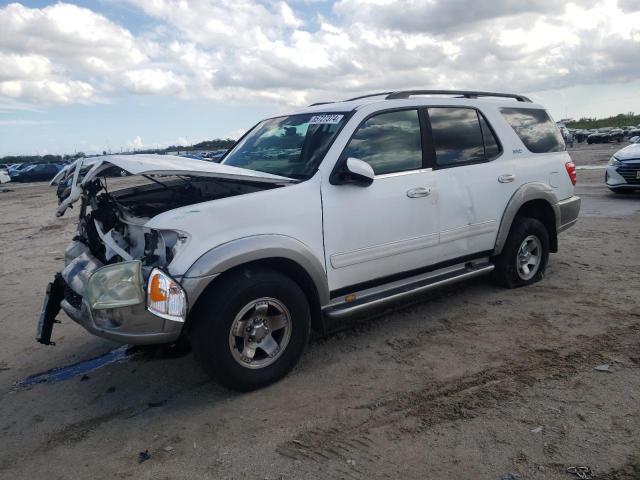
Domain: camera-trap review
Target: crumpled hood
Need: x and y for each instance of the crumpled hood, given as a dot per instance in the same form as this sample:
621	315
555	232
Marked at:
153	164
630	152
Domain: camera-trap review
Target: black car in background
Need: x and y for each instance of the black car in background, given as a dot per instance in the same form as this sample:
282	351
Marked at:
36	173
606	135
598	137
616	135
580	135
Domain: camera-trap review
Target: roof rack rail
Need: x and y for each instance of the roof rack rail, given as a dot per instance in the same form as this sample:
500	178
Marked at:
354	98
369	95
464	93
403	94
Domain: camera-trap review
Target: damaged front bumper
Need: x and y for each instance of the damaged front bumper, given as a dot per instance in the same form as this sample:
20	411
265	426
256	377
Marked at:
132	324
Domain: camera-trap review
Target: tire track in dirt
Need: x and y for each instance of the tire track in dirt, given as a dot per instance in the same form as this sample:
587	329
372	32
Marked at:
629	471
354	445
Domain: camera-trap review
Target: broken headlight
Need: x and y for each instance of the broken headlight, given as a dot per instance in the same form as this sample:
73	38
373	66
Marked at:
117	285
165	297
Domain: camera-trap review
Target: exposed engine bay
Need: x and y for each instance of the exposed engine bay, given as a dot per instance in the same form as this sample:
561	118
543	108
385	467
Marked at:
119	194
111	224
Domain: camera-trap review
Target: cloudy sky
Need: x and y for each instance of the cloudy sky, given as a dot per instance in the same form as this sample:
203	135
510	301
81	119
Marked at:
112	74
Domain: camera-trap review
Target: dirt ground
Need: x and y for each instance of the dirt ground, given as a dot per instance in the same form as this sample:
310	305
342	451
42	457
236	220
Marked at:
475	382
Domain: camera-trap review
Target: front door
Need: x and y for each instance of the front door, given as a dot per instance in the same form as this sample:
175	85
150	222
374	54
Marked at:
391	226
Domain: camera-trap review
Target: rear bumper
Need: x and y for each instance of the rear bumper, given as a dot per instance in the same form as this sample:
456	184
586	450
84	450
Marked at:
569	210
133	325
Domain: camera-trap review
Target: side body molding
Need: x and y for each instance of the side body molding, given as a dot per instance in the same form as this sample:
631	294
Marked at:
249	249
526	193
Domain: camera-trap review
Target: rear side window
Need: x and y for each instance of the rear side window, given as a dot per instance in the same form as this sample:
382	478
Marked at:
390	142
491	146
536	130
461	135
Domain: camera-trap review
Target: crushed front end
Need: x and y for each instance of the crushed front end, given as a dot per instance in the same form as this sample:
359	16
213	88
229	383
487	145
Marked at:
110	300
115	281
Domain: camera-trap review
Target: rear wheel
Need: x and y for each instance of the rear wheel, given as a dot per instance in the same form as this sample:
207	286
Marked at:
252	329
524	257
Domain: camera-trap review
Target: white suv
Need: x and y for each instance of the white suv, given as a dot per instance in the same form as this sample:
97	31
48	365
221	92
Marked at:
334	210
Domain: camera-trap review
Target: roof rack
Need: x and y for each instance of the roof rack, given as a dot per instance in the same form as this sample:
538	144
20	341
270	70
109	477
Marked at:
403	94
370	95
463	93
355	98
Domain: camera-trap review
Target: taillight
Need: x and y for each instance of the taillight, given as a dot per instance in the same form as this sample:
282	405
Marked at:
571	170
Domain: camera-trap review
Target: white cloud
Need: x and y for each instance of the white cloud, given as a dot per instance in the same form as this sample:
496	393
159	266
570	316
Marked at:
19	67
61	53
136	143
235	134
288	16
153	81
23	123
49	91
251	51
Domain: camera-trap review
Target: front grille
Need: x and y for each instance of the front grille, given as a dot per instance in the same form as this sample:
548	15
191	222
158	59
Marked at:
72	297
630	173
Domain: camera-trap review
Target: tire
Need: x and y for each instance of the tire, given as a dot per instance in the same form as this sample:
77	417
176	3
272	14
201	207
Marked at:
622	191
509	264
254	302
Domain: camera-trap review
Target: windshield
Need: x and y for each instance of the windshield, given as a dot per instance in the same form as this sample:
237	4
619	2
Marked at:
290	146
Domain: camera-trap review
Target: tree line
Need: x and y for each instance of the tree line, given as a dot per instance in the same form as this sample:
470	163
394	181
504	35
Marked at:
216	144
620	120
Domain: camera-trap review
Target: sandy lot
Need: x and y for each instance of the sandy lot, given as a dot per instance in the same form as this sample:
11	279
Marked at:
473	382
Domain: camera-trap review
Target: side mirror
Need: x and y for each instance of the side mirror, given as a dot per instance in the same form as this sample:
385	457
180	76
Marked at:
358	172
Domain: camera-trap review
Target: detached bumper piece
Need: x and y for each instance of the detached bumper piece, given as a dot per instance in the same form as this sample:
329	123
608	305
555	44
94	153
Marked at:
50	309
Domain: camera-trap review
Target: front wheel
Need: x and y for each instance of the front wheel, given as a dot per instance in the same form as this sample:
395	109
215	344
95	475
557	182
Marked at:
525	254
252	329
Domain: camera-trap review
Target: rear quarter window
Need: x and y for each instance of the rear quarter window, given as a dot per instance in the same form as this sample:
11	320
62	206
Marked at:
535	128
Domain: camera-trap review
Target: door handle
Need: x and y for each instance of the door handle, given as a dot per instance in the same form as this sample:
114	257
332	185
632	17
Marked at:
506	178
418	192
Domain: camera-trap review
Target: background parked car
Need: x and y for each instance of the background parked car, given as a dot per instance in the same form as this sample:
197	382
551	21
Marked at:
634	132
623	170
16	167
36	173
215	155
598	137
580	135
616	135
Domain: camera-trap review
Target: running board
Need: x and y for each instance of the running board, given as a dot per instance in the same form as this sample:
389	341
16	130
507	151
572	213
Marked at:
382	299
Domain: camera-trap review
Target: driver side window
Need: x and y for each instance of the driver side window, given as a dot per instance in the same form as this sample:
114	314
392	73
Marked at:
390	142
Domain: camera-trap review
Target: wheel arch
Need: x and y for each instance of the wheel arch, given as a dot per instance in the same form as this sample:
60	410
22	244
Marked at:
536	200
276	252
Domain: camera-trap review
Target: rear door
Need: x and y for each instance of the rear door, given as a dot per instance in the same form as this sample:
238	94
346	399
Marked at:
391	226
475	180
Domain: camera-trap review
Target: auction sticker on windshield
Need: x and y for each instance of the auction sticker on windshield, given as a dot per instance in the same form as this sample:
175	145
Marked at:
325	119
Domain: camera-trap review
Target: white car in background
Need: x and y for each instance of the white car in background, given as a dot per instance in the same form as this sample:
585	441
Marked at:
623	170
4	177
